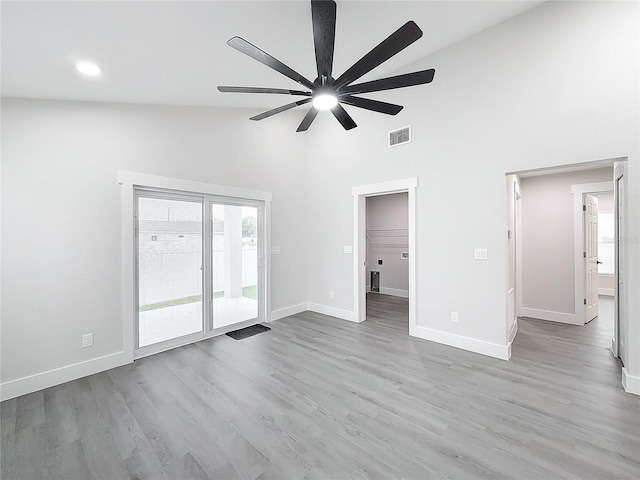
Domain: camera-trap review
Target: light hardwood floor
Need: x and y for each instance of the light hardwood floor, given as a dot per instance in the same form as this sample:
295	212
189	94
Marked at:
322	398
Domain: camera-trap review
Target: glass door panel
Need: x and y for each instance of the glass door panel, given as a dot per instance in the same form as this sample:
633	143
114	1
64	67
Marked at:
234	259
169	269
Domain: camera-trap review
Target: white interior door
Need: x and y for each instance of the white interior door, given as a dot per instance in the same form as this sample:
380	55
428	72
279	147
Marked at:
591	256
512	313
621	324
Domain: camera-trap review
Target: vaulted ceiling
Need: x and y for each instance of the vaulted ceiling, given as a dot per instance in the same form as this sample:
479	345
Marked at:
175	53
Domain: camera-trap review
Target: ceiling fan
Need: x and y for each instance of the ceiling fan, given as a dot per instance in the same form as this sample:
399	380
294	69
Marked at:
326	92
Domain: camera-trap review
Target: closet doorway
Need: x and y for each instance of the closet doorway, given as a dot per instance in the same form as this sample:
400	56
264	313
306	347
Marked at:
403	243
387	259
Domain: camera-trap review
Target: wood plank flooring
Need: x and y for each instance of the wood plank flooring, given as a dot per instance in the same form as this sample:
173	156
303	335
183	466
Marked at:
322	398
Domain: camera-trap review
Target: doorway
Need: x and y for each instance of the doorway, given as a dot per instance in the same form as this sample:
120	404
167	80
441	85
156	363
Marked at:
387	245
360	242
559	249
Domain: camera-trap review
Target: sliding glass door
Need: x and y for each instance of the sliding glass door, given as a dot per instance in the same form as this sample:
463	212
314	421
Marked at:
199	267
169	269
234	259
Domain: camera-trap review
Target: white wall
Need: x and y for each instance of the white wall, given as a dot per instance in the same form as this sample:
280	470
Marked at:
548	271
540	90
556	85
61	212
605	201
390	214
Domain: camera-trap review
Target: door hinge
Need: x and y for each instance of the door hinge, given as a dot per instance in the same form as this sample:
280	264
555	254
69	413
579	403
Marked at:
585	301
584	208
584	254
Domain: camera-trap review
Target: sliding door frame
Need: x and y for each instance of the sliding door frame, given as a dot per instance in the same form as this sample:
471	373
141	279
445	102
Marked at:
158	194
131	182
210	201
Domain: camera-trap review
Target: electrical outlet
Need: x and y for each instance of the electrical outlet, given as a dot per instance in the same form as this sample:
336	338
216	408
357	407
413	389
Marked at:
331	295
348	249
480	254
454	317
379	262
87	340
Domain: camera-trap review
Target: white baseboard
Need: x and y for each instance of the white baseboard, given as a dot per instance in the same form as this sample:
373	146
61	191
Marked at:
503	352
39	381
395	292
513	331
287	311
630	383
607	292
332	311
560	317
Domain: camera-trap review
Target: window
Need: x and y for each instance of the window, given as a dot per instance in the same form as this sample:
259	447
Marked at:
606	237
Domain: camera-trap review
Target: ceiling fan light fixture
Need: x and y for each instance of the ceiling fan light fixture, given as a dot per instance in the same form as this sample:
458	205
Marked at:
325	101
327	92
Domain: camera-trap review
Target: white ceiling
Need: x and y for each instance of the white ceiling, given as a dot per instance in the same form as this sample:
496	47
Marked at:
175	53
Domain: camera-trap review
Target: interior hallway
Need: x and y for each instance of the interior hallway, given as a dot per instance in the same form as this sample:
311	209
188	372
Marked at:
317	398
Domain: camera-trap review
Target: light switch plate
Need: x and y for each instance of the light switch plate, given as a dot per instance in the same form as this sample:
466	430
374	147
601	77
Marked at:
348	249
276	250
481	254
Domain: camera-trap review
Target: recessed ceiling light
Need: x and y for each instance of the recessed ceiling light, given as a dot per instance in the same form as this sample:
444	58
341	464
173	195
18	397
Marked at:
326	101
89	69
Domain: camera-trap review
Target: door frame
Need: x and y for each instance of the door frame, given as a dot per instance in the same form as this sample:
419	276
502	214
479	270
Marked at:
129	181
619	175
580	274
360	193
183	339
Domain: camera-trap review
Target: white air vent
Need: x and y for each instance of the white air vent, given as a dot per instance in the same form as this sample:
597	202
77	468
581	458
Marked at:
400	136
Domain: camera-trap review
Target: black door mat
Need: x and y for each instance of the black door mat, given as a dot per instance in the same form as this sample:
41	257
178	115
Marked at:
248	332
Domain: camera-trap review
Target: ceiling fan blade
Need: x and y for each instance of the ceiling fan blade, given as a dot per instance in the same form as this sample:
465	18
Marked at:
374	105
280	109
281	91
389	83
308	119
394	43
254	52
343	117
323	16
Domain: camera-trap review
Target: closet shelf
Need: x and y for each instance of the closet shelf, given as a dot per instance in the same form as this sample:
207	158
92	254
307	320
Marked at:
389	245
